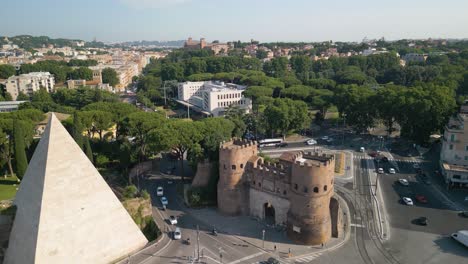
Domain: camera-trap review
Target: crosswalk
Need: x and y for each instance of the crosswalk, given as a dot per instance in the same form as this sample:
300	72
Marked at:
308	258
305	259
363	157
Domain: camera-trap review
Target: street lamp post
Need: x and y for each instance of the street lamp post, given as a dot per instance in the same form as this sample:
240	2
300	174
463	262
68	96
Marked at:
263	238
344	127
198	243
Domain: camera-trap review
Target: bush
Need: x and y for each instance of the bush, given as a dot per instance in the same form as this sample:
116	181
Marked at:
145	195
101	161
151	230
130	192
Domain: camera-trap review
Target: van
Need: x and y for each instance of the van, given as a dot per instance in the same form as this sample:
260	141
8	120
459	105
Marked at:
160	191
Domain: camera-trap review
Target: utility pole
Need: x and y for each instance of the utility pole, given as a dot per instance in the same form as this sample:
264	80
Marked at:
164	87
188	110
263	238
198	243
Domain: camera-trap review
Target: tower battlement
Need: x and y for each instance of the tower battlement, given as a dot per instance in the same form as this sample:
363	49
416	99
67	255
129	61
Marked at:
236	143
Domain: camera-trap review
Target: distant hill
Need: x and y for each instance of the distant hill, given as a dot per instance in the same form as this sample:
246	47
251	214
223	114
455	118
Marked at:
162	44
32	42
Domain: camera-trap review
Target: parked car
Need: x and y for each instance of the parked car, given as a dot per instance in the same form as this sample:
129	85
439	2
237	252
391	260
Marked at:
324	138
160	191
282	145
464	214
421	198
362	149
173	220
311	142
177	234
407	201
380	170
391	171
164	201
384	159
422	221
403	182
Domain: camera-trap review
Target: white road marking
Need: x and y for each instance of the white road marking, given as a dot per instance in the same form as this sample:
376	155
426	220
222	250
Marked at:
357	225
308	258
247	257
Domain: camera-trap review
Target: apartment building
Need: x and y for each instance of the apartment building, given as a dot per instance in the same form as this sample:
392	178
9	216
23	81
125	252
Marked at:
214	96
29	83
454	152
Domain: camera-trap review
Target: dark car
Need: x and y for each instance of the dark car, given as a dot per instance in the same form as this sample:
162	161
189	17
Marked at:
464	214
422	221
384	159
282	145
273	261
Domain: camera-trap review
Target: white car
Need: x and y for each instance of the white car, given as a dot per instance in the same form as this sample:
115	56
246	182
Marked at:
380	170
362	149
325	138
407	201
311	142
403	182
391	171
164	201
160	191
173	220
177	234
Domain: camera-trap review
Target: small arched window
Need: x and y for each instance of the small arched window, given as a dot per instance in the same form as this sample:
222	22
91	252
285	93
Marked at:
284	192
242	166
295	186
306	190
233	167
325	188
315	189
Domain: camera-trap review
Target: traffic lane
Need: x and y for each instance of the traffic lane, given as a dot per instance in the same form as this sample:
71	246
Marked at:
404	216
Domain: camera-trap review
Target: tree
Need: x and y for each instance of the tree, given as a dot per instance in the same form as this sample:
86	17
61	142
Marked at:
82	73
138	125
6	150
77	130
214	131
6	71
355	102
109	76
87	149
172	71
42	96
236	116
284	114
20	149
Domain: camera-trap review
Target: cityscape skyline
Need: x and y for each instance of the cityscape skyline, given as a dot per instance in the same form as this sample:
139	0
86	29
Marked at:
266	21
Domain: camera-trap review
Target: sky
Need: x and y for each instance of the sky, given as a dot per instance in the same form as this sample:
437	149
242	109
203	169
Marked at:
226	20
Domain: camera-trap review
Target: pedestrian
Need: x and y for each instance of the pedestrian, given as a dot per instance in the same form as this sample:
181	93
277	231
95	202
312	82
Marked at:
322	245
275	248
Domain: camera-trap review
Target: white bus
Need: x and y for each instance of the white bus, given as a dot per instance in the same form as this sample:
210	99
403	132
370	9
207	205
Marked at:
270	142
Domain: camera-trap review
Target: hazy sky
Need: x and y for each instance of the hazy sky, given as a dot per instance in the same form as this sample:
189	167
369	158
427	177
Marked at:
263	20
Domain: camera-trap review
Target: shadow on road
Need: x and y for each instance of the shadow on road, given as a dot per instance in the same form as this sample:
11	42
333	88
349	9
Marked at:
448	245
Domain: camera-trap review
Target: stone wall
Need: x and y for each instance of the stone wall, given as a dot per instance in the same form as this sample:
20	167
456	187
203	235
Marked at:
258	200
202	177
336	217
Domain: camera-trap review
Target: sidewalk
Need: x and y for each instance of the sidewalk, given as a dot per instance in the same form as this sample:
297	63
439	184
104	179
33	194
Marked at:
249	230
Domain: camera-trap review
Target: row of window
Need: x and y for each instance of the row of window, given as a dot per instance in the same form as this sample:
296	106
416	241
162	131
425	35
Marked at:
229	96
233	167
225	104
278	190
306	190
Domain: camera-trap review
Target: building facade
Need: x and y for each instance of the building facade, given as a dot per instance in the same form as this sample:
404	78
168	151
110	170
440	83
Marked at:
29	83
215	46
454	152
297	192
214	96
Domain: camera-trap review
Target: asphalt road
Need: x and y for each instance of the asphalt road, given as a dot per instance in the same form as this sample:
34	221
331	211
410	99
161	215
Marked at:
222	248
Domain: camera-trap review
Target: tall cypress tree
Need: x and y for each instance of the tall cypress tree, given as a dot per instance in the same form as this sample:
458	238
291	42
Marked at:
20	150
77	130
87	149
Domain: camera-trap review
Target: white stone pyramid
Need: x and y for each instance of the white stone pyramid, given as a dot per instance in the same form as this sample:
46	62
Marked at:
66	212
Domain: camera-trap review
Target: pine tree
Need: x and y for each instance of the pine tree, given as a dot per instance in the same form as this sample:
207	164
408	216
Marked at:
87	149
77	130
20	150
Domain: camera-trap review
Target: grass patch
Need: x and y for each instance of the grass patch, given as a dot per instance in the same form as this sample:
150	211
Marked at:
8	187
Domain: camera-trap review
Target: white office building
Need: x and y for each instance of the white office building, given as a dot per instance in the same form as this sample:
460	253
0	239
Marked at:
213	96
29	83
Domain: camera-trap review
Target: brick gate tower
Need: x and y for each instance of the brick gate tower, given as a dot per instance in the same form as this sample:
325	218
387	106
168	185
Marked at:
232	189
310	192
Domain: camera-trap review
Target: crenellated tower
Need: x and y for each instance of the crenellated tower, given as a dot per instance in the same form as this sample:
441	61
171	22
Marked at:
233	194
311	188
